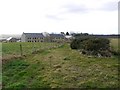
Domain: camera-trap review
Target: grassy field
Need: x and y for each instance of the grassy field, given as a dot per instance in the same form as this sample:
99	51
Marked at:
59	67
14	48
115	43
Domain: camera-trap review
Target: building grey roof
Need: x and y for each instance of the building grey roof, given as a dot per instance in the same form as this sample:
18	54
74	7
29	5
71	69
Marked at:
9	38
34	35
57	35
38	35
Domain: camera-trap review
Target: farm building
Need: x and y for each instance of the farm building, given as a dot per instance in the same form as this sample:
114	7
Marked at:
57	37
32	37
11	39
69	38
41	37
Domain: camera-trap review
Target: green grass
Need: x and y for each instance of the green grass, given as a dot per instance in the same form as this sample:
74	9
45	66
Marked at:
59	67
28	48
115	43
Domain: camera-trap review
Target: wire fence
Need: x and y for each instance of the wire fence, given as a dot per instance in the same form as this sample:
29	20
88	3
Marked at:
10	49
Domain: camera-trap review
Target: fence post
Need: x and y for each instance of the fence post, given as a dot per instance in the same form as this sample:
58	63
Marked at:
33	47
21	50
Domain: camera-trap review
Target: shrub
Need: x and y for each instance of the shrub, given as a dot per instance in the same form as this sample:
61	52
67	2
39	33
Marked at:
91	45
96	44
78	43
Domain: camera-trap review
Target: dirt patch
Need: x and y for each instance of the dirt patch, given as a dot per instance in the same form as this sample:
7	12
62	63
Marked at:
57	66
11	57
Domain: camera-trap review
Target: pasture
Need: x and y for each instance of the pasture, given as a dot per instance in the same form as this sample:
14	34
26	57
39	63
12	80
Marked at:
59	67
27	48
115	43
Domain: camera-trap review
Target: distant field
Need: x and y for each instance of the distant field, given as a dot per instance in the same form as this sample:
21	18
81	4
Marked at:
14	48
59	67
115	43
27	48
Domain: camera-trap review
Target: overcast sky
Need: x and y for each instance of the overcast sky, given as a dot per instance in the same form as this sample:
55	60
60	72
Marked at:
36	16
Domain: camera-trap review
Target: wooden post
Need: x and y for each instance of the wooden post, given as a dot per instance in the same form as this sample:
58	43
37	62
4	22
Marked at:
50	62
33	47
21	50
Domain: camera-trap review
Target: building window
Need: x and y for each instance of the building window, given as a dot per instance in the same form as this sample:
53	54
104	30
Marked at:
41	38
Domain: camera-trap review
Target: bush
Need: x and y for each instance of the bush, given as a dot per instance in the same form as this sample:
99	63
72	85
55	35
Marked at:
96	44
78	43
91	45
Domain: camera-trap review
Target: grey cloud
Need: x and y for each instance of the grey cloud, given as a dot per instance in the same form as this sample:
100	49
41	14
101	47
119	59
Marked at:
81	8
54	17
72	8
110	6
